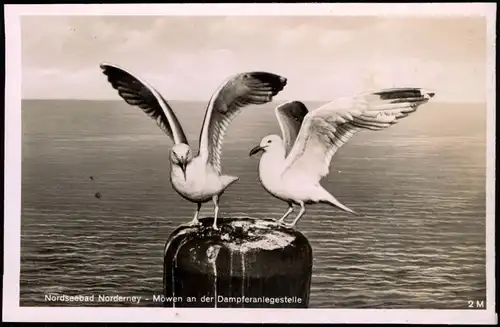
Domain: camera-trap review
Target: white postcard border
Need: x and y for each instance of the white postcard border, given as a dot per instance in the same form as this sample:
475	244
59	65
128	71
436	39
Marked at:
12	186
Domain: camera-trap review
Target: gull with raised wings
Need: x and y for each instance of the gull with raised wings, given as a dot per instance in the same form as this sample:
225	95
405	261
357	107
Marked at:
198	178
291	168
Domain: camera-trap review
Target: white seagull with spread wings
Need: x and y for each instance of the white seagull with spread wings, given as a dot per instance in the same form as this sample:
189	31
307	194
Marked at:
198	178
291	169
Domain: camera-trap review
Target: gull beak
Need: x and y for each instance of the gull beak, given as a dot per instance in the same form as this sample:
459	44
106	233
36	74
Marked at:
183	167
255	150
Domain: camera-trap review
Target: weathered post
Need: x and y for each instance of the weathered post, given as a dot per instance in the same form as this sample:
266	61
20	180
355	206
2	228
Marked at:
246	263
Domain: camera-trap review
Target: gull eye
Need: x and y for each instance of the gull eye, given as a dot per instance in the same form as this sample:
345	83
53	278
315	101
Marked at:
269	141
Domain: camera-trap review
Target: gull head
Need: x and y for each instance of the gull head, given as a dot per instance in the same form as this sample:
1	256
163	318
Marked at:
181	155
268	143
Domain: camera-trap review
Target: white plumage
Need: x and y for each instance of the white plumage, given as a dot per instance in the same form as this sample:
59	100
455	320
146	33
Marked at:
291	168
198	178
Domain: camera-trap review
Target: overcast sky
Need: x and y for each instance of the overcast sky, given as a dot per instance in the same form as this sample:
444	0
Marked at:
188	57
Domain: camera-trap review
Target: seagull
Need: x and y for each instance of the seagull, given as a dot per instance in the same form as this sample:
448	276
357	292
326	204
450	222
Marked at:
290	169
198	178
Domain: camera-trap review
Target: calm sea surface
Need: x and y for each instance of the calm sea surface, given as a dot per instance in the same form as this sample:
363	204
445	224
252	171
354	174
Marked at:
420	187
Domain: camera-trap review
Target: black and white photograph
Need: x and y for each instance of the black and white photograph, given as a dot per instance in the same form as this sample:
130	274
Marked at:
175	158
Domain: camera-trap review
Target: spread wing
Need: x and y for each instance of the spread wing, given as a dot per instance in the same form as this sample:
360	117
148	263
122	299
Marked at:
290	116
137	92
327	128
227	102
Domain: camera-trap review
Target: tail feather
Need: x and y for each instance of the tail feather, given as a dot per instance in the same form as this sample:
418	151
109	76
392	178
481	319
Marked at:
228	180
336	203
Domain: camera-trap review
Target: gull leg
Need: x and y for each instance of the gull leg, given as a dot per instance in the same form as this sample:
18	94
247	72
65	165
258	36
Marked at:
195	220
287	213
301	213
215	199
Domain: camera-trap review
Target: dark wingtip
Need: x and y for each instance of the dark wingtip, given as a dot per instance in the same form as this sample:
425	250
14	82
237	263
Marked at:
395	94
398	95
299	110
108	68
105	66
283	81
277	82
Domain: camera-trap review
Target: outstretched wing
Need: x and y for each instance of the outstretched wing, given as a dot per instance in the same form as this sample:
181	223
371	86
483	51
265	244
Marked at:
327	128
290	116
137	92
237	92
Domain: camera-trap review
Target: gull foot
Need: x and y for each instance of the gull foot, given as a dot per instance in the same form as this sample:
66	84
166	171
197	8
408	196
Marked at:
215	227
288	225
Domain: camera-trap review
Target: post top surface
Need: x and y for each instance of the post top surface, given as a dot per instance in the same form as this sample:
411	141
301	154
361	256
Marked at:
241	233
